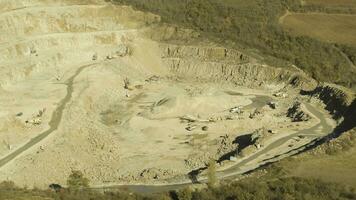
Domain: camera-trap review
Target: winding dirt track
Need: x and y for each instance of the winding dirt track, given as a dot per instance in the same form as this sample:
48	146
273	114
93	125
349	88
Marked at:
313	132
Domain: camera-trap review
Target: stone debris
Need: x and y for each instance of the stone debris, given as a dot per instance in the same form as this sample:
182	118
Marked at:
272	131
188	119
191	127
109	57
33	51
297	113
229	117
154	173
205	128
273	104
95	57
258	146
34	121
280	94
126	83
41	112
233	158
196	161
37	118
147	175
55	187
122	50
226	145
153	78
237	110
255	113
257	140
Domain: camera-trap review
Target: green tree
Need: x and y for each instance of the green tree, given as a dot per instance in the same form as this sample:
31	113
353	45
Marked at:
76	180
212	179
185	194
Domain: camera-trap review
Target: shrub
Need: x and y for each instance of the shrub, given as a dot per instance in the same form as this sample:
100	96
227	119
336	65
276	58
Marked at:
76	180
212	179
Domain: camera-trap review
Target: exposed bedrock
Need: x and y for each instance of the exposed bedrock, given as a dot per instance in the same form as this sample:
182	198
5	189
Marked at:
340	101
297	113
220	64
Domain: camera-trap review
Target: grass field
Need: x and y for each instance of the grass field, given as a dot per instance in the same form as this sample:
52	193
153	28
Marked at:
338	168
331	2
334	162
336	28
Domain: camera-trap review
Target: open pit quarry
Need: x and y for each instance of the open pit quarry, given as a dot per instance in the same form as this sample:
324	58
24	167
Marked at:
89	86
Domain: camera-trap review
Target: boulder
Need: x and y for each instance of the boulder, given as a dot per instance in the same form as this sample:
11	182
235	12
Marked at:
273	104
281	95
191	127
55	187
237	110
154	174
255	113
205	128
95	57
122	50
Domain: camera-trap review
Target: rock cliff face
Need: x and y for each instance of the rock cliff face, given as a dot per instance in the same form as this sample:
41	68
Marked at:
205	53
337	99
340	101
220	64
297	114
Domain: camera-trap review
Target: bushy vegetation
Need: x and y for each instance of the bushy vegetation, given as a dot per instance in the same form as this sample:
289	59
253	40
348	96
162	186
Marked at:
212	179
342	144
253	24
350	52
76	180
286	188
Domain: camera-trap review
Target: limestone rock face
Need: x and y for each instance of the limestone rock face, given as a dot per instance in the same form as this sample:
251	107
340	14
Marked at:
215	63
338	100
259	136
226	145
297	114
205	53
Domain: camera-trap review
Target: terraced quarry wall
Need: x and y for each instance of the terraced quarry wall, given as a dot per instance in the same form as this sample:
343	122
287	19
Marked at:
221	64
